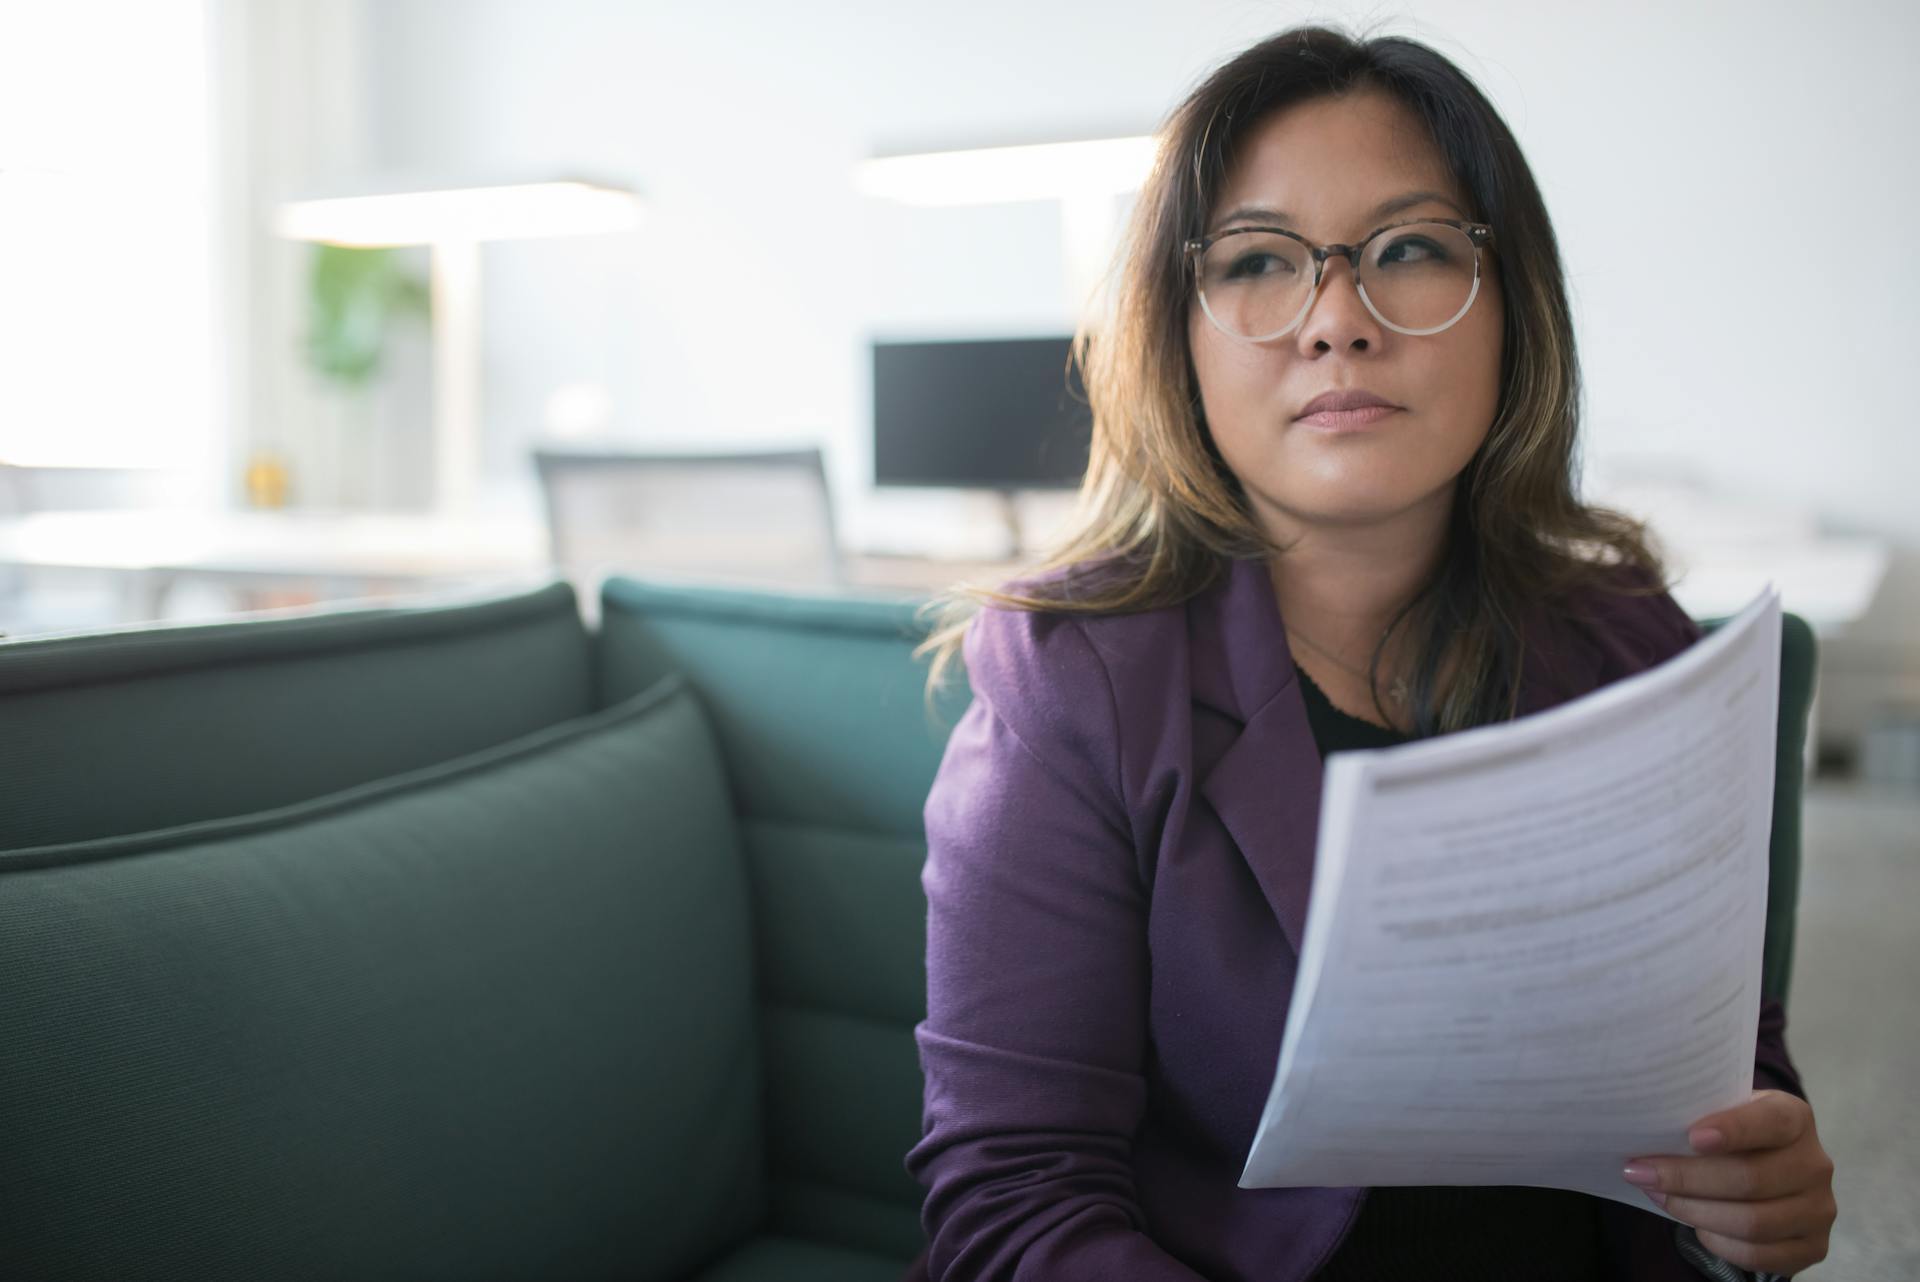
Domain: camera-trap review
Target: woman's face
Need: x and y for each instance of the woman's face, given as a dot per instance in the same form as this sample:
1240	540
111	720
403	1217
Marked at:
1330	164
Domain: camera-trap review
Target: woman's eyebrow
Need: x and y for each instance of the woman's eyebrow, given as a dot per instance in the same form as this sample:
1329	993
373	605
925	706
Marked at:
1279	218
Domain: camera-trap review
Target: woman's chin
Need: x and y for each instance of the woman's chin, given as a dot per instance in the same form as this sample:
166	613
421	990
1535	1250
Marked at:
1339	506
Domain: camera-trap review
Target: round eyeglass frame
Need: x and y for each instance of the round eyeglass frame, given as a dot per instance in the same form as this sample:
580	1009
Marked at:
1481	234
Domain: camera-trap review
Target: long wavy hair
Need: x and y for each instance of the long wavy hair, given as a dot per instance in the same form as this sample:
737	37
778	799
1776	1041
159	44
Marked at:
1161	512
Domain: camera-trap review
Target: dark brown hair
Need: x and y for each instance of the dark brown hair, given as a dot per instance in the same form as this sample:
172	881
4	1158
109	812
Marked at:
1158	504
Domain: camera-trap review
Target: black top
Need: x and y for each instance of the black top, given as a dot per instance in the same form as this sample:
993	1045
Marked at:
1439	1233
1334	730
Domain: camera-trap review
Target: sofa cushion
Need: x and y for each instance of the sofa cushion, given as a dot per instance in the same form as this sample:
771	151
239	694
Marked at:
139	728
490	1018
830	746
818	702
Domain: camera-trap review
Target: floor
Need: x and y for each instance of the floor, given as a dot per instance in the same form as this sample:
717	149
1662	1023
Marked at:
1854	1022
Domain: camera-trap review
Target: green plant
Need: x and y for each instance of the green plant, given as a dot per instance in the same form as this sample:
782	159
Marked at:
355	297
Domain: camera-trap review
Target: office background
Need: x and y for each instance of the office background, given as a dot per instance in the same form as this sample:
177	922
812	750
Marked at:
1679	147
1732	184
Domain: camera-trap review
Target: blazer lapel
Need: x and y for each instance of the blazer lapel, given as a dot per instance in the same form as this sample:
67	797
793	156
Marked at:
1266	786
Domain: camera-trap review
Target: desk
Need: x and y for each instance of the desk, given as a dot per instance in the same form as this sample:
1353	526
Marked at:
331	555
1829	582
148	550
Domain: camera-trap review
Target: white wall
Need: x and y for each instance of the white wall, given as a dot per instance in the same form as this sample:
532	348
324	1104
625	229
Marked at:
1733	185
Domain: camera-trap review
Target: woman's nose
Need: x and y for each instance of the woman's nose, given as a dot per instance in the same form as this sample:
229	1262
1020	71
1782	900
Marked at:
1338	317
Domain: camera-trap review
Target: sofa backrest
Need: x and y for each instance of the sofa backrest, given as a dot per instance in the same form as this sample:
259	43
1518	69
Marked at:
830	749
142	728
491	1015
1799	656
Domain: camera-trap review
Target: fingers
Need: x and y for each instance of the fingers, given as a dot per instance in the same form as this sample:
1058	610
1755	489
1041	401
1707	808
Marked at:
1788	1256
1743	1177
1768	1210
1776	1220
1769	1119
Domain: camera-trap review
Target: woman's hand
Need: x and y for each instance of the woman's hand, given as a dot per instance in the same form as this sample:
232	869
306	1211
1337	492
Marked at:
1762	1196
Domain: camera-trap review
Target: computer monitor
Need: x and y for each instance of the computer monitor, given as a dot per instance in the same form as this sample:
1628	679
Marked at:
1001	414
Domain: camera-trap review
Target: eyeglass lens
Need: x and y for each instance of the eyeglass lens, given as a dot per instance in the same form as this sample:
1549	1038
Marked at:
1418	277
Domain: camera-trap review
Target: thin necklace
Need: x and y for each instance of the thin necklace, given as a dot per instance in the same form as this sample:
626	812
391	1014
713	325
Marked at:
1397	692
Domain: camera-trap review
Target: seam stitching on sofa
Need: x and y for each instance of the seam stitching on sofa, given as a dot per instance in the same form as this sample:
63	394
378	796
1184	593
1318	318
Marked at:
96	849
917	837
812	1008
313	636
804	616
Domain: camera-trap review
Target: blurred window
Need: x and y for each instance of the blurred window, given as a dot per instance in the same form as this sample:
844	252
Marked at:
106	303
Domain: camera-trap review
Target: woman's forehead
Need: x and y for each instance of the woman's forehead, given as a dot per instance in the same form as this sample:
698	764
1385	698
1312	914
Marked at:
1332	163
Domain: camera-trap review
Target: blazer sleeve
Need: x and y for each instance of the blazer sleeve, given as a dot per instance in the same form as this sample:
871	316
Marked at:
1036	975
1674	630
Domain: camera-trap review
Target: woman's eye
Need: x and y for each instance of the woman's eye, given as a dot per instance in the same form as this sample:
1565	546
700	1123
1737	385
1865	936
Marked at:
1412	249
1258	263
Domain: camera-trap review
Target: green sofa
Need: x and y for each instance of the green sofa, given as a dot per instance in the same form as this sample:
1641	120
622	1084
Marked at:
460	941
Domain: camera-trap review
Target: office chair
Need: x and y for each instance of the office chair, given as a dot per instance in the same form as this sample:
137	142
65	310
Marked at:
756	518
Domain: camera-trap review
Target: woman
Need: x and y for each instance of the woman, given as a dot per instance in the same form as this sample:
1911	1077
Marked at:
1329	505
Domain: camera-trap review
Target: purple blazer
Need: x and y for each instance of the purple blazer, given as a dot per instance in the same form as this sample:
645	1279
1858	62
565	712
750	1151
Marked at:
1120	841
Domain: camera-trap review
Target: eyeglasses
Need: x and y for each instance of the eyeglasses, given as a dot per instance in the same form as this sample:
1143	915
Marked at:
1256	283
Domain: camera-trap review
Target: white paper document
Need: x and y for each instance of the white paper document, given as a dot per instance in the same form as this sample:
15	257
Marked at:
1533	949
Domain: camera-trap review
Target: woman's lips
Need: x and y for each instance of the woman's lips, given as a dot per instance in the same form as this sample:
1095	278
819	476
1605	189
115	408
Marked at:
1340	419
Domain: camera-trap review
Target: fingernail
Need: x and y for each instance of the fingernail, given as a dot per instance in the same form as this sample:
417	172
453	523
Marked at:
1640	1173
1705	1140
1658	1199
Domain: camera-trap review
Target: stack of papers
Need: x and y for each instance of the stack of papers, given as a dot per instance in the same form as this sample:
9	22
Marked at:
1533	949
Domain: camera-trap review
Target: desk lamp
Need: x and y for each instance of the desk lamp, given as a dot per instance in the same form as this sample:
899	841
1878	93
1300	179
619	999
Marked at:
454	220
